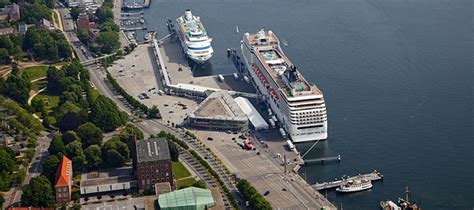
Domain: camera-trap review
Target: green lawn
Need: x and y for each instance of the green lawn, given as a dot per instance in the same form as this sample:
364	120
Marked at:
183	183
51	102
179	171
39	85
35	72
95	94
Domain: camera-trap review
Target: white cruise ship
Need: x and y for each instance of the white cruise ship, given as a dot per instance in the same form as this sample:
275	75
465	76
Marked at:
193	37
298	104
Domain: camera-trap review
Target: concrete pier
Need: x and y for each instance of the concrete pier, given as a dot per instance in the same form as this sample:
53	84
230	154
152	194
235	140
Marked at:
178	70
374	176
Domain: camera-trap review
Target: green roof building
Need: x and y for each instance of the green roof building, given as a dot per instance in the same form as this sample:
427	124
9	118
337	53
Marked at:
190	198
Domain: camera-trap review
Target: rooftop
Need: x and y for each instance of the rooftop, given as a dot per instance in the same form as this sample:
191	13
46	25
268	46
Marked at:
64	172
152	150
190	196
219	105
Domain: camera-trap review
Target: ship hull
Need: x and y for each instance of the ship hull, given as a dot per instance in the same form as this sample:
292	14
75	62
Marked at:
296	135
354	189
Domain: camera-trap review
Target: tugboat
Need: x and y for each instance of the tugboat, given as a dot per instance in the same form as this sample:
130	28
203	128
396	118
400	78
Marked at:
402	204
355	186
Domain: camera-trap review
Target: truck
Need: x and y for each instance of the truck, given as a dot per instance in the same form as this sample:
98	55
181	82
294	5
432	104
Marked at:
290	144
236	76
221	77
272	123
283	133
247	80
248	145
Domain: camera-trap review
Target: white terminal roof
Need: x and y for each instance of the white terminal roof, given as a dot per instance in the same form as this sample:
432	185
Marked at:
219	105
255	118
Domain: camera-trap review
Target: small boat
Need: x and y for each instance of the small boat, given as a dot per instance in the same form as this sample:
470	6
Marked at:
355	186
402	204
237	29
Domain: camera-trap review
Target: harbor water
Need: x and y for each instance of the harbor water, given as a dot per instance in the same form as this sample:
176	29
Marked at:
396	76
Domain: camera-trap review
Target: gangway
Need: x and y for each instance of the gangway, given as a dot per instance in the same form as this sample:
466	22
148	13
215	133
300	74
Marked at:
324	160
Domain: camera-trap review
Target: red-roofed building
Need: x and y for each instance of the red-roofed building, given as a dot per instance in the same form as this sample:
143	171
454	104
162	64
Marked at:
63	182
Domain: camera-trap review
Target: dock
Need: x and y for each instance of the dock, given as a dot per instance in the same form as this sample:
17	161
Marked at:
374	176
324	160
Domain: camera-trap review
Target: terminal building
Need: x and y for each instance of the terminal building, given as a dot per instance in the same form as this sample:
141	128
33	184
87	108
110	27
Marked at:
218	111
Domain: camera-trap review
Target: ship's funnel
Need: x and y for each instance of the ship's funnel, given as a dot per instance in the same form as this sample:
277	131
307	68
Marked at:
188	15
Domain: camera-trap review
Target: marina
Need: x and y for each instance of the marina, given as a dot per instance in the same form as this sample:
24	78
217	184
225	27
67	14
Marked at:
374	176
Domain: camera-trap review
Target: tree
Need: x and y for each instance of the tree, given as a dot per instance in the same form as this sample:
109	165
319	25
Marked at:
115	153
110	25
38	193
256	200
35	12
93	156
50	3
66	108
7	162
75	152
70	121
53	75
108	40
38	105
4	56
154	112
7	44
75	12
129	130
2	4
17	88
90	134
57	145
49	167
200	184
104	13
83	36
47	45
69	137
174	153
106	115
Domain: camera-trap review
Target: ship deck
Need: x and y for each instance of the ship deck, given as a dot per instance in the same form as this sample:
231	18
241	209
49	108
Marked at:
269	56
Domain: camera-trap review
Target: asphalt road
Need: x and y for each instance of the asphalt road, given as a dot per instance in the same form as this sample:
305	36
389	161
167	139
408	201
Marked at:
41	152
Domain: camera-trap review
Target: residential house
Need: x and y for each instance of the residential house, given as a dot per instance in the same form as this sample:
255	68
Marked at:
10	13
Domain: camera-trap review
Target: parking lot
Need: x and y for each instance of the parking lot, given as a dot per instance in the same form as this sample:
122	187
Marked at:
265	171
137	74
